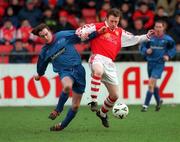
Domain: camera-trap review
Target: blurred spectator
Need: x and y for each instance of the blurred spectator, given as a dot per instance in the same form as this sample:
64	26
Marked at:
126	11
175	30
136	30
24	32
168	5
102	15
49	20
106	6
58	3
16	5
18	55
29	12
63	24
162	15
118	3
4	3
151	4
89	12
124	24
9	14
1	15
146	15
74	13
96	4
177	10
72	8
7	33
138	27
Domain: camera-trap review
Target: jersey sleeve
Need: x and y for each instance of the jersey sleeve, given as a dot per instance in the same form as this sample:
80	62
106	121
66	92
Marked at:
128	39
143	48
171	46
86	32
41	64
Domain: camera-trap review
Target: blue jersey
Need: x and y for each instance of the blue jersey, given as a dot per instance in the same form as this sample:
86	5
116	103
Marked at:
160	46
61	52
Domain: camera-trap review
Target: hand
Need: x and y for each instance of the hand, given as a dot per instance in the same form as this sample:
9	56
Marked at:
102	30
149	51
85	36
166	58
150	33
37	77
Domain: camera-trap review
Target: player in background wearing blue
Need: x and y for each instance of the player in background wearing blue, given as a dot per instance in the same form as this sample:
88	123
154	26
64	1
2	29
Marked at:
60	51
159	49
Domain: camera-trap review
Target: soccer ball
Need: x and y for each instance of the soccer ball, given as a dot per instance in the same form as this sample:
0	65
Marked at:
120	110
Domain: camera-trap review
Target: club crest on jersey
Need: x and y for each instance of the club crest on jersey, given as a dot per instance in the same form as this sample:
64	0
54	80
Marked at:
117	33
107	35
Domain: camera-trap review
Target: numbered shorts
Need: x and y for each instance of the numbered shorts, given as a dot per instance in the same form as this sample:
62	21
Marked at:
110	72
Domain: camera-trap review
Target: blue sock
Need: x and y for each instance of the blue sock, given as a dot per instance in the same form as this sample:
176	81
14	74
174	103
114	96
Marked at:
70	115
148	98
62	100
156	95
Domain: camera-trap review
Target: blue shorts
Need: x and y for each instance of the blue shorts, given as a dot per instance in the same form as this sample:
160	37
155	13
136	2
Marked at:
155	69
78	75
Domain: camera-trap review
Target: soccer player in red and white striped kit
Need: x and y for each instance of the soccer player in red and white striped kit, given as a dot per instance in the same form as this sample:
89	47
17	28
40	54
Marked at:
105	48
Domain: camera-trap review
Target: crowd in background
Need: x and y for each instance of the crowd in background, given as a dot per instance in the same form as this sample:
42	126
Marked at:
18	17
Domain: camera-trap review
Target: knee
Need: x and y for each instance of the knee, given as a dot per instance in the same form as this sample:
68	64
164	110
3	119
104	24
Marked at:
114	97
151	88
75	107
67	88
98	71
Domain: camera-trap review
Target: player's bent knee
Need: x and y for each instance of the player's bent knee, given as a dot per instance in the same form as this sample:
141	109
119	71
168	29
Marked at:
98	73
67	89
114	97
151	87
75	107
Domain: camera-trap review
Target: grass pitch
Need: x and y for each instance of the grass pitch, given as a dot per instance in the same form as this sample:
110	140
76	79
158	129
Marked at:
31	124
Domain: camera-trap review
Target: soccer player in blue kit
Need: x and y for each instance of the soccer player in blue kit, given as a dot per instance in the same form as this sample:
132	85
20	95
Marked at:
159	49
60	51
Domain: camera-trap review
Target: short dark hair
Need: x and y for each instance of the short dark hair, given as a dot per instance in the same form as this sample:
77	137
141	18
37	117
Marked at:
39	28
115	12
161	21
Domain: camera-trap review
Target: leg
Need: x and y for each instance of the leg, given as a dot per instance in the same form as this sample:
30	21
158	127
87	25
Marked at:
71	113
67	85
150	92
108	103
157	98
97	72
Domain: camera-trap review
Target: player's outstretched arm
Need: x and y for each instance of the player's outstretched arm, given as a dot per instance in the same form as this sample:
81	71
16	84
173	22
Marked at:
128	39
88	32
41	65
